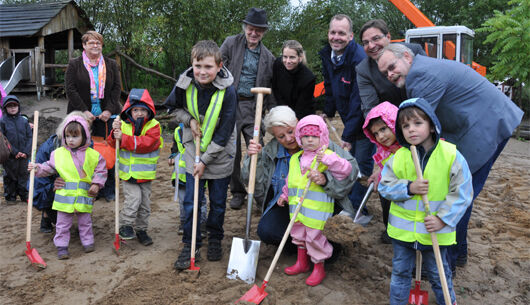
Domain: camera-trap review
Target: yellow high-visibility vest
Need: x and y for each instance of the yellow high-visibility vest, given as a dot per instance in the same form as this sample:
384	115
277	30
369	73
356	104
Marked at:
139	166
74	195
212	113
179	159
406	219
317	206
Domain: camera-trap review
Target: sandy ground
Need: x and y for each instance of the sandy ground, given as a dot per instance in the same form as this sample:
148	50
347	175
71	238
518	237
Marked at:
497	272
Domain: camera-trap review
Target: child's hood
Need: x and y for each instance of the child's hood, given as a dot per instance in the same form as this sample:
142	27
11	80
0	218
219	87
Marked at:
138	98
426	107
387	112
313	120
86	129
8	100
222	81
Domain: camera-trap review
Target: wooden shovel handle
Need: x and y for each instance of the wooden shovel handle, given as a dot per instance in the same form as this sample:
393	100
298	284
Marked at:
117	189
257	124
195	199
435	246
32	174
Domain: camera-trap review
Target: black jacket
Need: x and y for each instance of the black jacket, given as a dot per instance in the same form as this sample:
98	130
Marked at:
294	88
16	129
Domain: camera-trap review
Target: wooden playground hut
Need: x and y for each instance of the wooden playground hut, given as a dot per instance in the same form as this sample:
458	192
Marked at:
29	36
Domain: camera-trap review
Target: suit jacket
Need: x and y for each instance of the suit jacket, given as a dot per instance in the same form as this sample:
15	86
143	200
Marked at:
475	115
375	88
233	54
78	87
342	92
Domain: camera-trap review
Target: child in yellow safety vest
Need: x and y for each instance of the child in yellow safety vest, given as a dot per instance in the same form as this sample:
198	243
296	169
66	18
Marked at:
447	184
205	101
311	134
141	141
84	172
380	128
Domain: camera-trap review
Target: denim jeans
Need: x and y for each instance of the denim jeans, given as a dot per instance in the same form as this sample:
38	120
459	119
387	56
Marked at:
362	150
479	179
217	189
272	226
402	264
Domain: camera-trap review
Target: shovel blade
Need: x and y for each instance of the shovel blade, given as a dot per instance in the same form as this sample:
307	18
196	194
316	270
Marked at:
418	296
34	256
363	220
117	244
255	294
242	265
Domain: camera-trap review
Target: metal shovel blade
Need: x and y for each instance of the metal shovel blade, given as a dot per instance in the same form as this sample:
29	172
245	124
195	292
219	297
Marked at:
242	265
361	219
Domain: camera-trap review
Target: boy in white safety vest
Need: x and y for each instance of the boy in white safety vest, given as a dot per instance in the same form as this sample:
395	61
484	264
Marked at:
311	134
84	173
205	101
141	141
447	184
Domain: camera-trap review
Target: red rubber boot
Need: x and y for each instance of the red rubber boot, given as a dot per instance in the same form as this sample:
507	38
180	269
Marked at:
317	275
301	265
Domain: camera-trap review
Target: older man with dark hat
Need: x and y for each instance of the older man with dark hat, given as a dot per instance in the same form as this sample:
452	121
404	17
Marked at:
250	62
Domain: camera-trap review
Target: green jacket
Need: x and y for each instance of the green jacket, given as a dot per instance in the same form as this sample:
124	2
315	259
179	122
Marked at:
339	190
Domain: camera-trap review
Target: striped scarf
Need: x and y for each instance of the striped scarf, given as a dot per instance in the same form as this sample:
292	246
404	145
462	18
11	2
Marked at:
102	74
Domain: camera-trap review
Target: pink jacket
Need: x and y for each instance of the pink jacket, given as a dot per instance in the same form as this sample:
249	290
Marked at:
340	168
388	113
78	155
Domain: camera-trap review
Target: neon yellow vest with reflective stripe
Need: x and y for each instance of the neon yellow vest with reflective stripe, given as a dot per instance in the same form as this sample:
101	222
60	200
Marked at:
74	196
212	113
406	219
180	157
139	166
317	206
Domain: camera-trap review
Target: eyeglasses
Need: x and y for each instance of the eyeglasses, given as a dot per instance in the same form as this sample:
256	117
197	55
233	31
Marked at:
374	40
93	43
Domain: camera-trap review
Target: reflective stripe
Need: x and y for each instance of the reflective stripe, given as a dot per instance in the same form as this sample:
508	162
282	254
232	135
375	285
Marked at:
71	200
411	205
143	167
307	212
73	186
123	167
128	154
311	195
408	225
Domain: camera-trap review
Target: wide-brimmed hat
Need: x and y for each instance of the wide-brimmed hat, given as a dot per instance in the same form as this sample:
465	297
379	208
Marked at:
257	17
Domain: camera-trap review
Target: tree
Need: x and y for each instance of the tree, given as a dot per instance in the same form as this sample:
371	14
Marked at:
511	39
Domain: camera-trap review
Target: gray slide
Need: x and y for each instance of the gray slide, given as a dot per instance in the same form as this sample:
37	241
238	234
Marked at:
10	74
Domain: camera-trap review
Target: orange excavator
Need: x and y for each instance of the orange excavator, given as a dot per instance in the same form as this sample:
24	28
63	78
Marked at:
447	42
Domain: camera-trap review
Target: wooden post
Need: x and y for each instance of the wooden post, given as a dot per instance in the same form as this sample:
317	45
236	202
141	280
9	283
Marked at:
118	61
36	70
70	44
42	60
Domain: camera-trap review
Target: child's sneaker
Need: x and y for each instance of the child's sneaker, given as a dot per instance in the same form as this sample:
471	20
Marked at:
62	253
183	261
215	252
143	238
89	248
126	232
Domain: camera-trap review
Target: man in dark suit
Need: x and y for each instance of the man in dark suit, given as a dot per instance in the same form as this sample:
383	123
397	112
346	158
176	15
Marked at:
374	88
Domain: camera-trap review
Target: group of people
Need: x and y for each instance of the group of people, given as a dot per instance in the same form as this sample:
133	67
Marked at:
389	97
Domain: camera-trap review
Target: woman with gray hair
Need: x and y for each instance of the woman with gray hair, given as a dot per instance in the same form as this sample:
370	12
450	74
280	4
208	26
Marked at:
273	167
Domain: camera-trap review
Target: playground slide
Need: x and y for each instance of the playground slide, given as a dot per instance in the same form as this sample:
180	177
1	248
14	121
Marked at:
10	74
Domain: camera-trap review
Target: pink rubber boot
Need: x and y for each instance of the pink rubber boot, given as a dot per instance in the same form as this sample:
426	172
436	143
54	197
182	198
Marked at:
301	265
317	275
